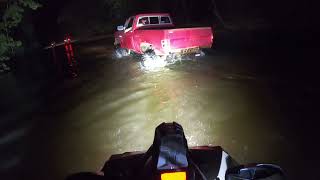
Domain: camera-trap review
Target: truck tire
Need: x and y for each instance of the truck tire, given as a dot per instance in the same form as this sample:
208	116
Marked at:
149	54
121	52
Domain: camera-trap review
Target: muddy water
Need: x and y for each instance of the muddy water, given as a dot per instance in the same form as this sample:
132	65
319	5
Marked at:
116	107
105	117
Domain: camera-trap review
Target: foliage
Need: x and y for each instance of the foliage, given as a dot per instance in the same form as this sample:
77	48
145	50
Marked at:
10	20
30	4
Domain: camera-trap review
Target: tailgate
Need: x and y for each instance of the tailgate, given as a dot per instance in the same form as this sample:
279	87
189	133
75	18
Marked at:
189	37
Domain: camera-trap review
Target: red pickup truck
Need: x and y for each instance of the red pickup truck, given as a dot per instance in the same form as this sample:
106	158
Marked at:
156	32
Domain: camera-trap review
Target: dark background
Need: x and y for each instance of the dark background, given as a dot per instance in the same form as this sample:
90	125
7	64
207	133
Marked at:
281	16
247	24
283	33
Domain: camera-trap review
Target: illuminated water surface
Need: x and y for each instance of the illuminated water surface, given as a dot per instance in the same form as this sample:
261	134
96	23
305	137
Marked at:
117	108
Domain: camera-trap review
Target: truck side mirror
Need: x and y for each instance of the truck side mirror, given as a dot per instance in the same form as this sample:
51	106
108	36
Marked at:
120	28
256	172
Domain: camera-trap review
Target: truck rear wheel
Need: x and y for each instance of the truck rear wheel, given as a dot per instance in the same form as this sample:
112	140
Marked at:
149	54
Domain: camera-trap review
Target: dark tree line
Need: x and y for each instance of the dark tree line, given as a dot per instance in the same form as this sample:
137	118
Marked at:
12	13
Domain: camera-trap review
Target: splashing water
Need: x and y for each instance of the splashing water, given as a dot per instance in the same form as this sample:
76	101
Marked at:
153	62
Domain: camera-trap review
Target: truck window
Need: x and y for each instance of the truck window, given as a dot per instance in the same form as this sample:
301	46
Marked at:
165	20
130	24
154	20
143	21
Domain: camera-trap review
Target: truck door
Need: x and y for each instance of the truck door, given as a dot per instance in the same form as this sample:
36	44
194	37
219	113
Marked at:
128	33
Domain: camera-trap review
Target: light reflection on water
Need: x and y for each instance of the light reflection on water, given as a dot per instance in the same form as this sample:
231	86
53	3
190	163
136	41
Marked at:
117	108
121	117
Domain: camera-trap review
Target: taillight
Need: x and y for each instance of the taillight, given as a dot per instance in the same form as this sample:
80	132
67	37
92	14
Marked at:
165	43
174	176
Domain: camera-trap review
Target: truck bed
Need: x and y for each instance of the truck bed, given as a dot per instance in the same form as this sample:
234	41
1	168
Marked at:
169	40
